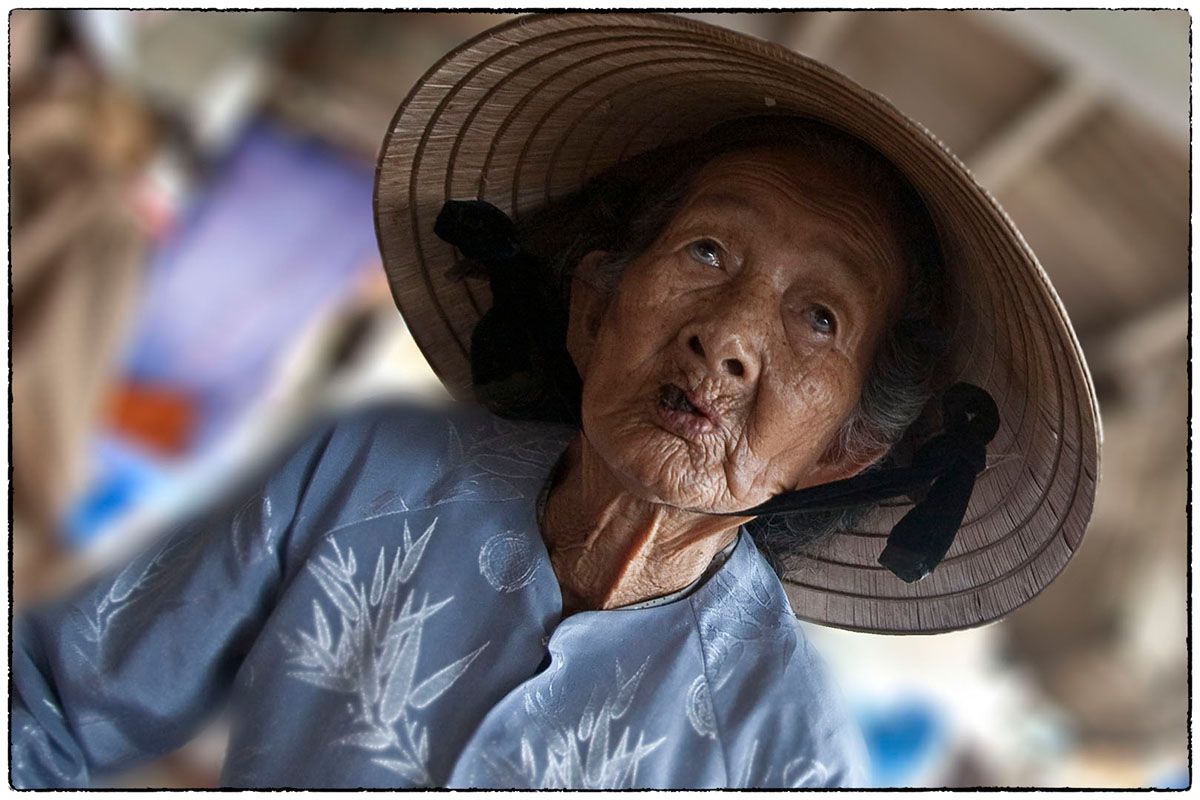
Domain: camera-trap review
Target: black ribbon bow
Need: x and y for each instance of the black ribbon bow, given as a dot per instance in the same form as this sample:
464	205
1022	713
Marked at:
480	231
524	309
519	359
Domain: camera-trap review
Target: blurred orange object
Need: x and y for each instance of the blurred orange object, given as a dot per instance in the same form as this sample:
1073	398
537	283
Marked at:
161	417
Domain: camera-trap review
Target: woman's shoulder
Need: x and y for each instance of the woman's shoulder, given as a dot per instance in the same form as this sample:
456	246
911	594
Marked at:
403	422
433	429
406	454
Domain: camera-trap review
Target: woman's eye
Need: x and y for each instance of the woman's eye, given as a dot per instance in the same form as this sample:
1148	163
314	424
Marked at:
822	320
706	251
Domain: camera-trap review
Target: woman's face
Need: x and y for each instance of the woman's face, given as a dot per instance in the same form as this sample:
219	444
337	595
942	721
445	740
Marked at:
733	350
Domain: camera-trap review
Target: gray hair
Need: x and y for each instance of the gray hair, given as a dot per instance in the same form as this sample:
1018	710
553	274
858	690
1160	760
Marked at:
623	212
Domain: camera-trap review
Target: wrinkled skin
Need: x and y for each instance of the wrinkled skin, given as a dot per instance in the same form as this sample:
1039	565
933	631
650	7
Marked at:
763	302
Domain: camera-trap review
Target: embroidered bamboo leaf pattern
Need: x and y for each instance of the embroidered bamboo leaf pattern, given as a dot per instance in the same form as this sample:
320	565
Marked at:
413	550
741	613
333	576
436	684
143	577
32	742
324	639
454	445
479	470
376	651
748	772
528	763
581	754
369	740
377	581
627	687
399	683
254	528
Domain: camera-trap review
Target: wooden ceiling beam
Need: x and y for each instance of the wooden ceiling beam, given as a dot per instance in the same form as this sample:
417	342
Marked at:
1132	72
1039	128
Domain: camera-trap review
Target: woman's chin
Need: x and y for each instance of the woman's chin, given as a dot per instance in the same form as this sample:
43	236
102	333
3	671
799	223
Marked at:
659	466
671	479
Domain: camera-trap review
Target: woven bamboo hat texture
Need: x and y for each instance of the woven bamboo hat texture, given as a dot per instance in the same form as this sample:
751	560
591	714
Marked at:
528	111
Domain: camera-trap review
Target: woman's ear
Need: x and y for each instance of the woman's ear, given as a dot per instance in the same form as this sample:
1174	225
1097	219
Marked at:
838	464
589	298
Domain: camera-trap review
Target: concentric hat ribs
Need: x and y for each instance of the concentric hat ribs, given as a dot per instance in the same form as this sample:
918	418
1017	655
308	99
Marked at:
528	111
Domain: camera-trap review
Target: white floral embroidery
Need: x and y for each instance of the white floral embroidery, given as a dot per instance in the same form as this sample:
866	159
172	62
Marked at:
508	561
376	652
700	710
580	755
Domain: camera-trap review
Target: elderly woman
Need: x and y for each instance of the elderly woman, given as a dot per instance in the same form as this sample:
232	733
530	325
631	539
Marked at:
703	368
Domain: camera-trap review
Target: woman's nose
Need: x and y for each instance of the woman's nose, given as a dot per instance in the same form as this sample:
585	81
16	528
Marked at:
724	351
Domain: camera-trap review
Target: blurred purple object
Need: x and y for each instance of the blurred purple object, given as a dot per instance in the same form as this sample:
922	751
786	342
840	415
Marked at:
279	236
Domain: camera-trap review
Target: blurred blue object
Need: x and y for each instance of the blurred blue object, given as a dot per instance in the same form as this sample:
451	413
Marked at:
1179	778
281	234
902	737
124	473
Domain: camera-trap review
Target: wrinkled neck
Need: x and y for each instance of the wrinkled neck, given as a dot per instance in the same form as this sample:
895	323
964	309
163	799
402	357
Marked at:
610	547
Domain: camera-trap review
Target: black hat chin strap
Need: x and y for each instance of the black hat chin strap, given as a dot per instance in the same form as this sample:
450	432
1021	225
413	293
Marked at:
947	464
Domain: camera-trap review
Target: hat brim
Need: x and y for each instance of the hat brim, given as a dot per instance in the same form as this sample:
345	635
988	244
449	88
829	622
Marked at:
528	111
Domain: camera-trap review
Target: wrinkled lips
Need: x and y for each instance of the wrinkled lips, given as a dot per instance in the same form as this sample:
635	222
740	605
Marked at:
681	414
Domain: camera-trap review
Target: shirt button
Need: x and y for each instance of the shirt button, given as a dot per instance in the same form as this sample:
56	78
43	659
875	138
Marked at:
545	641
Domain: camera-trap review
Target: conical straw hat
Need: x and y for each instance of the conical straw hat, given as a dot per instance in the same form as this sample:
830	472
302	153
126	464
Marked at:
528	111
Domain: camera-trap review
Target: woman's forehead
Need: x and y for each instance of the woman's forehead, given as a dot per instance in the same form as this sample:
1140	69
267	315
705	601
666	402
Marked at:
774	184
790	171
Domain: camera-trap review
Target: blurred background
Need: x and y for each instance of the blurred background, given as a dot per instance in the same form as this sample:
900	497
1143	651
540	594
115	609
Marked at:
194	276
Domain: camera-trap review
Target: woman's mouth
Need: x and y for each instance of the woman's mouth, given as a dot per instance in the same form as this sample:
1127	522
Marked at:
681	414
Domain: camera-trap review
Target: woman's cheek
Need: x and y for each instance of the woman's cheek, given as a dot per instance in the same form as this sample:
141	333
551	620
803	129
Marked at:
819	382
635	335
794	422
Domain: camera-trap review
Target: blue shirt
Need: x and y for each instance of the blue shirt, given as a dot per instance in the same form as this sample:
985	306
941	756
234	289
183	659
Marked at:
382	612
